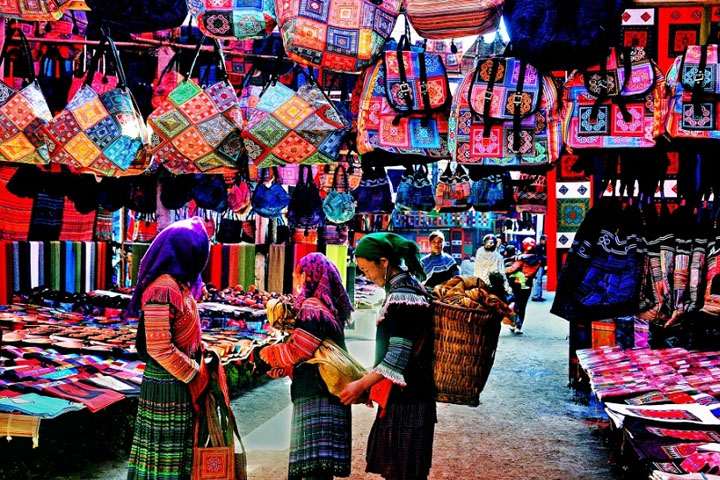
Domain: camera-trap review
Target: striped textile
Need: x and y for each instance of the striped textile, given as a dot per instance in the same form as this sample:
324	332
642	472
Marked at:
77	226
15	212
276	268
446	19
18	425
320	438
163	439
234	273
55	261
400	443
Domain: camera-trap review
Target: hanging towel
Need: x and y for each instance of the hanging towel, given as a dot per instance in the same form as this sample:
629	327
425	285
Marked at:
16	266
350	284
261	271
88	260
249	265
34	264
261	229
70	271
233	266
47	264
3	273
100	273
93	264
24	249
338	255
55	265
225	266
79	266
138	252
276	268
41	263
216	265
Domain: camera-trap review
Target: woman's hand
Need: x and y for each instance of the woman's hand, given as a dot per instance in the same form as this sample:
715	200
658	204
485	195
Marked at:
352	392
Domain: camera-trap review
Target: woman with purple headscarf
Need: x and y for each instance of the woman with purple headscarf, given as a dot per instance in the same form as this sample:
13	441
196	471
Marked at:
321	428
169	340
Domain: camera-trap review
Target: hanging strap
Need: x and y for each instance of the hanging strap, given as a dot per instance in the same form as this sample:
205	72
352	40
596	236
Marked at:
173	64
26	52
424	89
488	94
107	44
219	59
517	107
697	89
405	88
346	187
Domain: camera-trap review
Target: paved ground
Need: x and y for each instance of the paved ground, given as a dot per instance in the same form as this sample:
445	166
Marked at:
527	426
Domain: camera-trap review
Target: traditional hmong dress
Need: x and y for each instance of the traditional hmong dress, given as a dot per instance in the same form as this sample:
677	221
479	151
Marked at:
438	268
401	441
163	442
320	432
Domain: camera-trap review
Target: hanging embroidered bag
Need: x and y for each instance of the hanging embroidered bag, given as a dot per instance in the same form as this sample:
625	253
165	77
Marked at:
239	19
340	35
415	192
102	134
611	105
294	127
693	83
404	105
492	193
453	190
34	10
22	114
500	97
339	205
442	19
270	201
373	194
305	208
197	130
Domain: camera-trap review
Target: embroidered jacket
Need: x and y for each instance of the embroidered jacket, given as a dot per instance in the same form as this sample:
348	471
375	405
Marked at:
404	341
172	327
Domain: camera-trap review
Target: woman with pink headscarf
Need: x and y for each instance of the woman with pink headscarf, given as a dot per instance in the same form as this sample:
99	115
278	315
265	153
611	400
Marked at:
320	444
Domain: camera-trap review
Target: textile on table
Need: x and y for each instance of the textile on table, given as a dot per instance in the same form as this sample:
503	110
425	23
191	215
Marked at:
320	432
93	398
163	440
38	405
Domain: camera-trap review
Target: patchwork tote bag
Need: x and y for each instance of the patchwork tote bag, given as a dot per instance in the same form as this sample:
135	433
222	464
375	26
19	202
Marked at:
563	35
269	200
505	114
339	205
306	207
294	126
241	19
415	192
34	10
340	35
453	190
441	19
693	82
102	134
612	105
404	106
22	115
196	129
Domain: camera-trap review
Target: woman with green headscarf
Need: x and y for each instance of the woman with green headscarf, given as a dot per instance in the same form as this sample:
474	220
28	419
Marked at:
401	440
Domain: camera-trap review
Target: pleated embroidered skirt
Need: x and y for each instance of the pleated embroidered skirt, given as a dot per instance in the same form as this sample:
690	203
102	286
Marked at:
320	438
162	447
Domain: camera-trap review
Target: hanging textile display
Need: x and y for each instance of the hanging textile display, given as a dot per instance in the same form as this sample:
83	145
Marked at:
611	105
415	192
245	19
339	205
440	19
453	190
505	113
405	100
340	35
101	134
694	105
22	114
294	127
34	11
198	129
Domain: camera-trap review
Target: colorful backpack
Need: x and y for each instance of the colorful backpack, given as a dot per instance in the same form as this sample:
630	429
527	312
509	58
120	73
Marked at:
499	97
341	35
294	127
237	18
611	105
404	104
693	84
440	19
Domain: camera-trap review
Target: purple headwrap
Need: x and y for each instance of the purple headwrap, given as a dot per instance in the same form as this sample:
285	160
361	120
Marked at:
181	250
322	281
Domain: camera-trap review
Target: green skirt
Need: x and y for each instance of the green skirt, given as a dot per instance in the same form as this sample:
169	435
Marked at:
162	447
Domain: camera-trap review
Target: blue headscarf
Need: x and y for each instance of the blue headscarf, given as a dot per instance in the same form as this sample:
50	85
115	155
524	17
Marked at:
182	251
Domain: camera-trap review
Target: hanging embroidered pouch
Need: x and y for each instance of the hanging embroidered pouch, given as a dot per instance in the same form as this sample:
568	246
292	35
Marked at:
501	96
197	130
239	19
611	105
415	192
339	206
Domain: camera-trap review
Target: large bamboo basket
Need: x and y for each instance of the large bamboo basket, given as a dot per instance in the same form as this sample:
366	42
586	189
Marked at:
465	344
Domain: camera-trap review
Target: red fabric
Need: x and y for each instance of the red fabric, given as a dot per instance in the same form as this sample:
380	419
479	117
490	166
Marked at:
77	227
234	272
4	290
93	398
677	27
215	264
380	393
15	211
100	272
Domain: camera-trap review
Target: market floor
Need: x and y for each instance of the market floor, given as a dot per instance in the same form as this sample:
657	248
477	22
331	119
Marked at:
527	425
